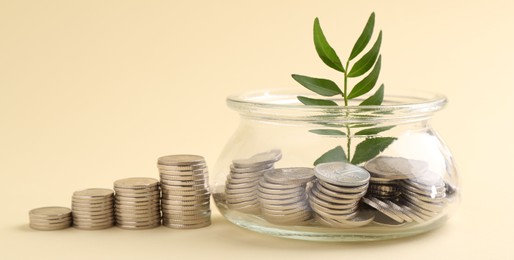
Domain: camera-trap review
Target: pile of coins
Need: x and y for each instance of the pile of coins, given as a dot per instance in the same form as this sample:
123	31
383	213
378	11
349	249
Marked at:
137	203
242	182
419	194
185	191
50	218
386	173
93	209
335	196
283	197
425	194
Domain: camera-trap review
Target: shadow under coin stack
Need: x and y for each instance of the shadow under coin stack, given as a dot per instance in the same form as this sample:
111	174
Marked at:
93	209
185	191
335	196
283	196
50	218
242	182
137	203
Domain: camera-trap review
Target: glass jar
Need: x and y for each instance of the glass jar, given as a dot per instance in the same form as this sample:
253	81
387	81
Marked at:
401	180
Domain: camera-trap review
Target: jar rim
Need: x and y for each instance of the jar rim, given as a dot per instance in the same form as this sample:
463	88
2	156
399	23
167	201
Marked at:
282	104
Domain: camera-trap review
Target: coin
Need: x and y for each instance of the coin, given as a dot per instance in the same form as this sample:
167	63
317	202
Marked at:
341	173
383	208
268	157
295	175
93	193
136	183
395	167
180	160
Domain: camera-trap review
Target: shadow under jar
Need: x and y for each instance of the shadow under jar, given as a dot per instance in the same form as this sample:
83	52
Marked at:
384	172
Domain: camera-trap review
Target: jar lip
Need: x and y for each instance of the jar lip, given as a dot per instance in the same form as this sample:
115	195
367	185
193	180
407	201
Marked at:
283	103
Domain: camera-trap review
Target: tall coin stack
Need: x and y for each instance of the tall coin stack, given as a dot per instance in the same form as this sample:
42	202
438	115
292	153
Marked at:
387	173
50	218
185	191
242	182
283	196
93	209
137	203
336	194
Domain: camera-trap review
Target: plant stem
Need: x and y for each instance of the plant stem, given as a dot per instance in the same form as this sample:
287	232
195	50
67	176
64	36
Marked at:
345	97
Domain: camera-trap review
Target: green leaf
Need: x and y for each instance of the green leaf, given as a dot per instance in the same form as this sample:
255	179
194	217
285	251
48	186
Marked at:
366	84
364	37
316	102
324	50
375	99
365	63
335	155
374	131
370	148
324	87
328	132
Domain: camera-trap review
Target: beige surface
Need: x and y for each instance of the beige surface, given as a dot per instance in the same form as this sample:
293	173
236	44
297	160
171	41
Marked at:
93	91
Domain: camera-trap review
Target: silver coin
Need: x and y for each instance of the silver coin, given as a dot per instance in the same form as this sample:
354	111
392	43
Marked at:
382	207
340	195
401	212
240	199
281	196
430	192
187	198
268	157
286	209
50	212
93	227
196	218
384	220
176	169
184	183
183	177
342	189
136	183
321	208
280	191
251	203
295	175
361	218
186	192
282	201
331	205
338	218
138	227
258	168
167	212
432	207
253	184
49	228
250	175
93	193
297	216
181	226
395	167
322	196
412	214
384	188
180	159
177	173
436	198
99	222
140	192
341	173
180	202
423	213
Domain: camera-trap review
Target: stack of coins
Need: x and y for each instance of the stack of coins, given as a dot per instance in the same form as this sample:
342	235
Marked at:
335	196
137	203
283	196
386	174
242	182
185	191
93	209
50	218
425	194
390	213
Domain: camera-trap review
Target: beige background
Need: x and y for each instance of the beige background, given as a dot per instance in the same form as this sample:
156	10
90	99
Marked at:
93	91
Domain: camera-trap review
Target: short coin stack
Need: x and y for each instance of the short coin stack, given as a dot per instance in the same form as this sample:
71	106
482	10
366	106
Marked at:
335	196
50	218
242	182
137	203
283	197
185	191
386	173
93	209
